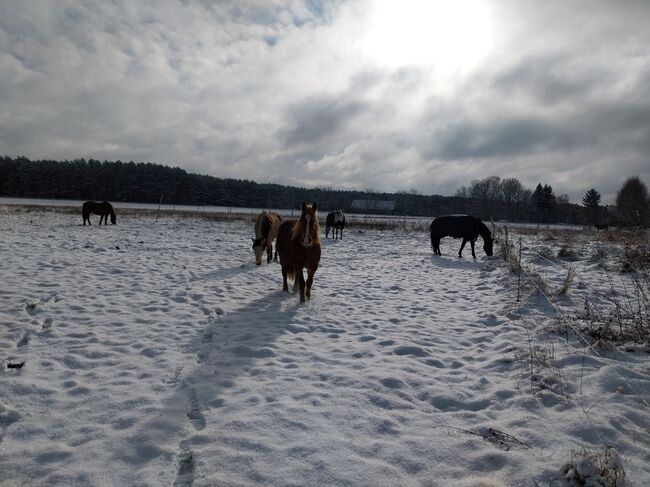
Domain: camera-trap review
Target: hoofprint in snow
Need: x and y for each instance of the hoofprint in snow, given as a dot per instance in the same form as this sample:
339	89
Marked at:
160	354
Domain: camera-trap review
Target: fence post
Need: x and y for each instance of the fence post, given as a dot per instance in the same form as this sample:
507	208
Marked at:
519	272
159	203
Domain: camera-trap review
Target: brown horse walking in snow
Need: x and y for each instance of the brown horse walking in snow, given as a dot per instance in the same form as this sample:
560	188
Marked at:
103	209
298	246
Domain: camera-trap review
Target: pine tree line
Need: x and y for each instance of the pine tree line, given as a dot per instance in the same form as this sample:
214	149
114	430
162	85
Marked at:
488	198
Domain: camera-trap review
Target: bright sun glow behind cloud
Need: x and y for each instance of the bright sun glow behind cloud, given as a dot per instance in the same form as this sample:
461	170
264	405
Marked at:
446	35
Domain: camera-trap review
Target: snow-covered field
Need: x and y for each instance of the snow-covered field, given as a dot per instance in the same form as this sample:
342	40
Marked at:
159	354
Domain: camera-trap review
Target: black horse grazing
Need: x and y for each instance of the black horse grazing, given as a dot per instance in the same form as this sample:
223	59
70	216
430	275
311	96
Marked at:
102	209
601	226
335	219
460	226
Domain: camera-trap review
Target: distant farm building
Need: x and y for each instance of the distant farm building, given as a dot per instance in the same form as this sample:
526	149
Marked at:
372	206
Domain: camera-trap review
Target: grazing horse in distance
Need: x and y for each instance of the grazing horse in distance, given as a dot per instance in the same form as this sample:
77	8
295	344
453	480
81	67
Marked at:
266	230
103	209
299	247
335	219
601	226
460	226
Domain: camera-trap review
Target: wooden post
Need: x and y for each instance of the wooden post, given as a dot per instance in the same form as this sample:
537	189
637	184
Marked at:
519	272
159	203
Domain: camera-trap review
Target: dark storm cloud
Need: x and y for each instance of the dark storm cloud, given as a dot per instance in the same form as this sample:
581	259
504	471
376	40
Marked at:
313	120
501	138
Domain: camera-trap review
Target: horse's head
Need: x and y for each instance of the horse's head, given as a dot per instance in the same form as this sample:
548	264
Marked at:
113	218
258	247
487	245
308	227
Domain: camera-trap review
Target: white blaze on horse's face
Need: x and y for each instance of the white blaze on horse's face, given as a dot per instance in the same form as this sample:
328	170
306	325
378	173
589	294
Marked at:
306	238
338	217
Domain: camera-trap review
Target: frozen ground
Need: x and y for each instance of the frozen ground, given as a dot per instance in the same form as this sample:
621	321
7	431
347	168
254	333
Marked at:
159	354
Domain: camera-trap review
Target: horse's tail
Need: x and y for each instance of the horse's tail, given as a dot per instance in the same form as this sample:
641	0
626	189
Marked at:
291	274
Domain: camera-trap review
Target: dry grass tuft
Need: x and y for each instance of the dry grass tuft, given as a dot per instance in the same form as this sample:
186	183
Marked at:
567	253
568	280
636	257
603	469
538	366
624	320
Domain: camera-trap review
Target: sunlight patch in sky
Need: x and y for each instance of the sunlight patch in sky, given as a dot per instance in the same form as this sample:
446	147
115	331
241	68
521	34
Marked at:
447	36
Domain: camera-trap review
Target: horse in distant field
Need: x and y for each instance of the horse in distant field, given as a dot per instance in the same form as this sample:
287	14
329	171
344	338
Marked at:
601	226
460	226
103	209
298	246
335	219
266	230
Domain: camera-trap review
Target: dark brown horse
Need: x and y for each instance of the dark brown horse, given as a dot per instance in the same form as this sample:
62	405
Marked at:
102	209
460	226
336	219
298	246
266	230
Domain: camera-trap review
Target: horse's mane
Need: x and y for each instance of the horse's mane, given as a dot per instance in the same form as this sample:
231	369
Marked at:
262	225
299	227
484	231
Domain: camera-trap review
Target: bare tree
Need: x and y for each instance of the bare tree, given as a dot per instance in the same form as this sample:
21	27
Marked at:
512	194
462	192
486	188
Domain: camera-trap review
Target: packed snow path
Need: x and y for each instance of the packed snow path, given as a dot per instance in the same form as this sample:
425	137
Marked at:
159	354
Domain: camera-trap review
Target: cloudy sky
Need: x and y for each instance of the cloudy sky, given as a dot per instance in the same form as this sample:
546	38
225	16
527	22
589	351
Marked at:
369	94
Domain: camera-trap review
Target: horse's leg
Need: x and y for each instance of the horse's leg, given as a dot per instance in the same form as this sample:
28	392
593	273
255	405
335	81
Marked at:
327	231
435	243
472	243
285	287
460	252
269	251
310	280
301	284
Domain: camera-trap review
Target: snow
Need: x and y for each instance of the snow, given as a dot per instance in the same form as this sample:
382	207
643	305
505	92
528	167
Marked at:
158	353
